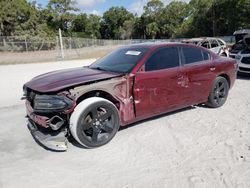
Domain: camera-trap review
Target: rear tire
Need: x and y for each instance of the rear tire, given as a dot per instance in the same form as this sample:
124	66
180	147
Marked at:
219	92
94	122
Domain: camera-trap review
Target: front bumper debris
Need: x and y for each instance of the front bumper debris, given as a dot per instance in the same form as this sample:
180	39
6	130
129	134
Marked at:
55	141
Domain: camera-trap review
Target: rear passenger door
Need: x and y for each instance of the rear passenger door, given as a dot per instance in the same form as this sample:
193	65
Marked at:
198	73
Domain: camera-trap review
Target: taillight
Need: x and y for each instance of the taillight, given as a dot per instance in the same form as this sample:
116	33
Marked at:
236	65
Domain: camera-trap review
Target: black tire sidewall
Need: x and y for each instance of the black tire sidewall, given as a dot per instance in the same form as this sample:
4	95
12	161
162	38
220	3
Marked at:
79	128
211	102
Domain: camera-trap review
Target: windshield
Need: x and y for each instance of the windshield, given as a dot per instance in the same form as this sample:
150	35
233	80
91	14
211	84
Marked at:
122	60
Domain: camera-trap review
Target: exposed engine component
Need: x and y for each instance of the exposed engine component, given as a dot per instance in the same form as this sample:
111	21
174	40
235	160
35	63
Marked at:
55	122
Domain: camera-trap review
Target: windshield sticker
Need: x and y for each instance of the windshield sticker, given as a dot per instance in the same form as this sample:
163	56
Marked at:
133	53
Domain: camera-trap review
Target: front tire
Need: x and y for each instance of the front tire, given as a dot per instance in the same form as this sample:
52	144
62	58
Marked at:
94	122
219	92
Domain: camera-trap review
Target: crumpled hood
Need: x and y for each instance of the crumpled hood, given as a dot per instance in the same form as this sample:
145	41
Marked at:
61	79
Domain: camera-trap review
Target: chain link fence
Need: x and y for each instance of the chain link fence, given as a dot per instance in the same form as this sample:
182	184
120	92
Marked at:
16	49
21	49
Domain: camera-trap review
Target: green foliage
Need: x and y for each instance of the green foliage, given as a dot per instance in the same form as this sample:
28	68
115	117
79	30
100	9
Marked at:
176	19
151	18
152	29
93	26
59	14
112	20
173	18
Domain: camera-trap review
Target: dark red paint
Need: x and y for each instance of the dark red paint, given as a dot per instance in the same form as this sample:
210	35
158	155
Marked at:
61	79
140	94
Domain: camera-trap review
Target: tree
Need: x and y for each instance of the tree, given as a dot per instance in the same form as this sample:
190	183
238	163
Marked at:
18	17
60	14
172	19
79	22
152	29
151	17
112	20
176	19
201	23
127	30
153	9
93	26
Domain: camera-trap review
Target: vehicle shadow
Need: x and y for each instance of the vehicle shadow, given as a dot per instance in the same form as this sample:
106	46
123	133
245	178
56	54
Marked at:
158	116
242	76
75	143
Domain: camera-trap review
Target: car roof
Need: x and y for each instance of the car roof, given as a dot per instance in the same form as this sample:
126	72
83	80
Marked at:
155	44
200	39
242	31
152	46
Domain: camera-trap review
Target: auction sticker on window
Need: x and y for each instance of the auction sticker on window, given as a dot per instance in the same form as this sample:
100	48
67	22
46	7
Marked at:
133	53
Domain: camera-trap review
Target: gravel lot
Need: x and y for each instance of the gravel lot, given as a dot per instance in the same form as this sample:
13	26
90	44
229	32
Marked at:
195	147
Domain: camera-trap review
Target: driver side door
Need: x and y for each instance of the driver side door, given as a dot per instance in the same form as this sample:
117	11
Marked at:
156	87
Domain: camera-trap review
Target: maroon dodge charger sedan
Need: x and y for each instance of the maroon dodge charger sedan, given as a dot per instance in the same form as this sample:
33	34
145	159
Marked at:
130	84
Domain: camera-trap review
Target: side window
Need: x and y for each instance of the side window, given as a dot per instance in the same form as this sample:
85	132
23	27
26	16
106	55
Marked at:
162	59
221	43
206	55
192	55
214	44
205	44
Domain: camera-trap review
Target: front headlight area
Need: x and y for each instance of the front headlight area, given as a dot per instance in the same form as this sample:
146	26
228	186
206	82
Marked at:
51	103
55	107
238	57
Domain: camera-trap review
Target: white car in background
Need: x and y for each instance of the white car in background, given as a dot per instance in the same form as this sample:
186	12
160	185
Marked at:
243	61
216	45
243	56
240	42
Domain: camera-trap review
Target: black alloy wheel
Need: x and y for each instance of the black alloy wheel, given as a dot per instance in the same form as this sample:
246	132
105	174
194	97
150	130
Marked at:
97	124
219	92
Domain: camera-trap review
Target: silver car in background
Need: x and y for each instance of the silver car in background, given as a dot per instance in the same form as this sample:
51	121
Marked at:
243	56
216	45
243	61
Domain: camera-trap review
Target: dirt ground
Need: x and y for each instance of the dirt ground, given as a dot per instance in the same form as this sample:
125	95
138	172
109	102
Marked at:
196	147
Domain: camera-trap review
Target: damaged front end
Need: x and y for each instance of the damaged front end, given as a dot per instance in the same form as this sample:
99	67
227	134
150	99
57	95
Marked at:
48	116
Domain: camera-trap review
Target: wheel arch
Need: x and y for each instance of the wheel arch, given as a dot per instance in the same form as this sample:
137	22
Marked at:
76	117
226	77
101	94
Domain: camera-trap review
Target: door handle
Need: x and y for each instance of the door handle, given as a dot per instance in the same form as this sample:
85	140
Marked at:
212	68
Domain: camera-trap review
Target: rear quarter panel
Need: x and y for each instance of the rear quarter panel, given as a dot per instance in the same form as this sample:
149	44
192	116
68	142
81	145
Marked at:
228	67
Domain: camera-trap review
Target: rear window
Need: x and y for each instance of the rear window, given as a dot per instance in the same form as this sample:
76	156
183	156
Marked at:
214	44
206	55
221	43
205	44
192	55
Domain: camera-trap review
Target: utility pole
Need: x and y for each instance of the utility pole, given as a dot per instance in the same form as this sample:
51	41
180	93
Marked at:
61	44
214	21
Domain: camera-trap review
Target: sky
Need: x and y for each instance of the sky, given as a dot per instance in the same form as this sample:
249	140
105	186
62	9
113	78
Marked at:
100	6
